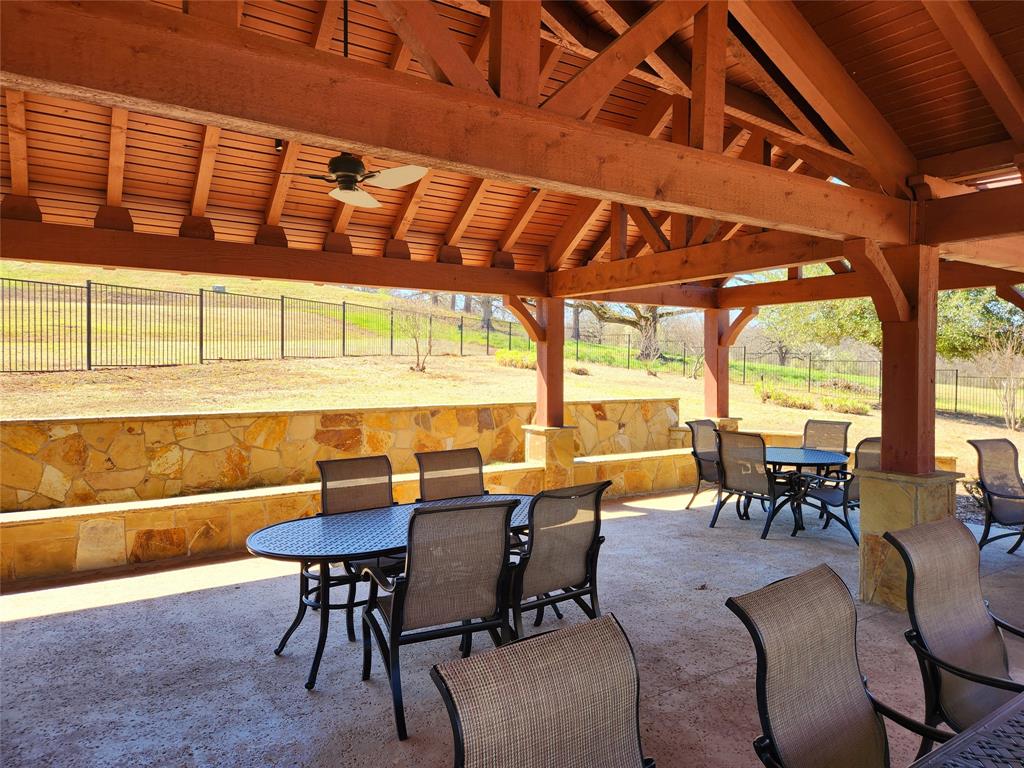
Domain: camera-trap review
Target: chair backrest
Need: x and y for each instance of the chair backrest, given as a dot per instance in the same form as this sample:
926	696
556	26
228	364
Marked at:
457	563
868	455
703	431
450	474
742	455
826	435
948	611
814	708
998	467
564	527
347	485
568	698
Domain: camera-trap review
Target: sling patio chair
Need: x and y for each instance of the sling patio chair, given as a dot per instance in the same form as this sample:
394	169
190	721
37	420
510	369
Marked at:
1002	489
450	474
705	454
813	702
558	561
346	485
841	489
456	582
744	473
959	646
568	698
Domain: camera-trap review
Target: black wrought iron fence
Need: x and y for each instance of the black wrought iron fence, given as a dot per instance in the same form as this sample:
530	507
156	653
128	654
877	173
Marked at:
43	326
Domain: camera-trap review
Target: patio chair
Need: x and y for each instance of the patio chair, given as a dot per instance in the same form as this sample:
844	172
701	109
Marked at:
568	698
1001	487
841	489
745	475
346	485
958	642
456	582
824	435
450	474
705	454
559	559
813	702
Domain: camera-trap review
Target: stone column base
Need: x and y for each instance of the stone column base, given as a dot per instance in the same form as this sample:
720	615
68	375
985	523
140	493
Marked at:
680	437
891	502
728	424
553	447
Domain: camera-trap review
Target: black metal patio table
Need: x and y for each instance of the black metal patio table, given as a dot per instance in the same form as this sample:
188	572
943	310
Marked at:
997	741
804	457
362	535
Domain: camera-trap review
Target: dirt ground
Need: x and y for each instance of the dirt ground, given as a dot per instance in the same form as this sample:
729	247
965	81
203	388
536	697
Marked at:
355	382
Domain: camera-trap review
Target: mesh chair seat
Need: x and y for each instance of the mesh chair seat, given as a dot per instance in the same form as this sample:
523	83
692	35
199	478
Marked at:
1008	511
451	474
705	454
828	494
566	698
999	477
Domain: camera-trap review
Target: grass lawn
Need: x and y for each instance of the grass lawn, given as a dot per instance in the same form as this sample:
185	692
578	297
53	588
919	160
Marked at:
355	382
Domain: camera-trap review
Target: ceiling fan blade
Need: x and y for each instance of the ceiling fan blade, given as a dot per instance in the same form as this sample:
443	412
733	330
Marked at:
357	197
321	176
393	178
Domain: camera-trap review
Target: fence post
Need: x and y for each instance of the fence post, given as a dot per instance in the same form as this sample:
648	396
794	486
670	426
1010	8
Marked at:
879	381
344	320
462	324
684	358
629	349
201	290
391	332
956	389
809	356
282	326
744	364
88	325
510	334
487	336
577	347
430	333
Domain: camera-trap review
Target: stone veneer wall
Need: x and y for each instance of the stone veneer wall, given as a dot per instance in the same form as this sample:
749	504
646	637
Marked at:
76	462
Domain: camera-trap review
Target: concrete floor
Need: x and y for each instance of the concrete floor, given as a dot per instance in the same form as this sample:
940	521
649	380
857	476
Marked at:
176	669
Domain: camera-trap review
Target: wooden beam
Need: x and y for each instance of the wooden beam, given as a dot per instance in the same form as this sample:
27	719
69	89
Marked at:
617	233
407	213
522	313
598	77
401	55
244	81
57	243
771	250
204	171
793	45
326	23
583	215
1001	253
716	364
754	151
963	30
514	68
227	12
17	141
115	158
550	55
736	326
522	217
971	162
707	106
551	364
282	183
470	203
987	214
1010	294
650	231
432	43
890	302
662	296
933	187
481	44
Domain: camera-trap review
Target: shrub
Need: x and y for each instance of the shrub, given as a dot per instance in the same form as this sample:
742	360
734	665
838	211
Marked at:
511	358
844	404
579	370
767	393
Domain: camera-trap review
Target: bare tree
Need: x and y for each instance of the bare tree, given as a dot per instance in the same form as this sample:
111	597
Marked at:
1004	360
415	326
642	318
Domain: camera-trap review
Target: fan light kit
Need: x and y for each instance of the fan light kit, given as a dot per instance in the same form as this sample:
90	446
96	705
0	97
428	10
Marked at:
347	172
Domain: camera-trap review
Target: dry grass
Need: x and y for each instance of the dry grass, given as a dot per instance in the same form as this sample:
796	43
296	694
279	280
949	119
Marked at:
354	382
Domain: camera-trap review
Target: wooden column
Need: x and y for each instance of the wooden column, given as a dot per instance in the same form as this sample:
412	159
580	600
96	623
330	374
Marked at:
550	364
716	363
908	366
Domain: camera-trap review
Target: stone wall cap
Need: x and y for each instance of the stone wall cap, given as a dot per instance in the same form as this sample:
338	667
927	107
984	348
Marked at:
541	429
610	458
932	478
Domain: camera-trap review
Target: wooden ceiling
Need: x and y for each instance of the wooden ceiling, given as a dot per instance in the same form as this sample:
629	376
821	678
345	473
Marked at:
894	51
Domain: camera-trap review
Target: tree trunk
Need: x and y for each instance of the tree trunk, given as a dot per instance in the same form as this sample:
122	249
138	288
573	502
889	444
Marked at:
650	348
486	308
577	310
455	302
467	304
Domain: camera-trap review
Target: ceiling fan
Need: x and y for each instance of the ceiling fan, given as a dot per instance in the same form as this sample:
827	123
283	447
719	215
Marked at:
347	172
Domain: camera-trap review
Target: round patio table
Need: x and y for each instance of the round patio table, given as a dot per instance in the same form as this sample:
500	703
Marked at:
804	457
350	536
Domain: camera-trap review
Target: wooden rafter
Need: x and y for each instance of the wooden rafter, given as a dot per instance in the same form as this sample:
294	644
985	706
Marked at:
963	30
407	213
470	203
989	213
204	171
227	12
754	151
326	23
736	327
890	301
707	106
116	157
1007	292
514	68
650	231
282	183
598	77
250	88
17	141
663	295
971	162
792	44
617	232
481	44
433	44
521	219
522	313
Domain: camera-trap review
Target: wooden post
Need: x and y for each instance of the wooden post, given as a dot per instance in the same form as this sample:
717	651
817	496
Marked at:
908	366
550	364
716	363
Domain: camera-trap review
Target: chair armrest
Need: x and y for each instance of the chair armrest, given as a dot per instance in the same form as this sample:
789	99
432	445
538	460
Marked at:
374	574
909	723
840	476
1010	496
1006	626
966	674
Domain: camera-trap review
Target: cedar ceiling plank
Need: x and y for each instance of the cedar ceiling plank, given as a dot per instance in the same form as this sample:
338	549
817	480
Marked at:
204	171
962	28
17	141
598	77
220	11
116	157
786	36
433	44
521	219
470	203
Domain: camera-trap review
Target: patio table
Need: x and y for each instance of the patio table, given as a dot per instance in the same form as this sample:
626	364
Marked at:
997	741
363	535
804	457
